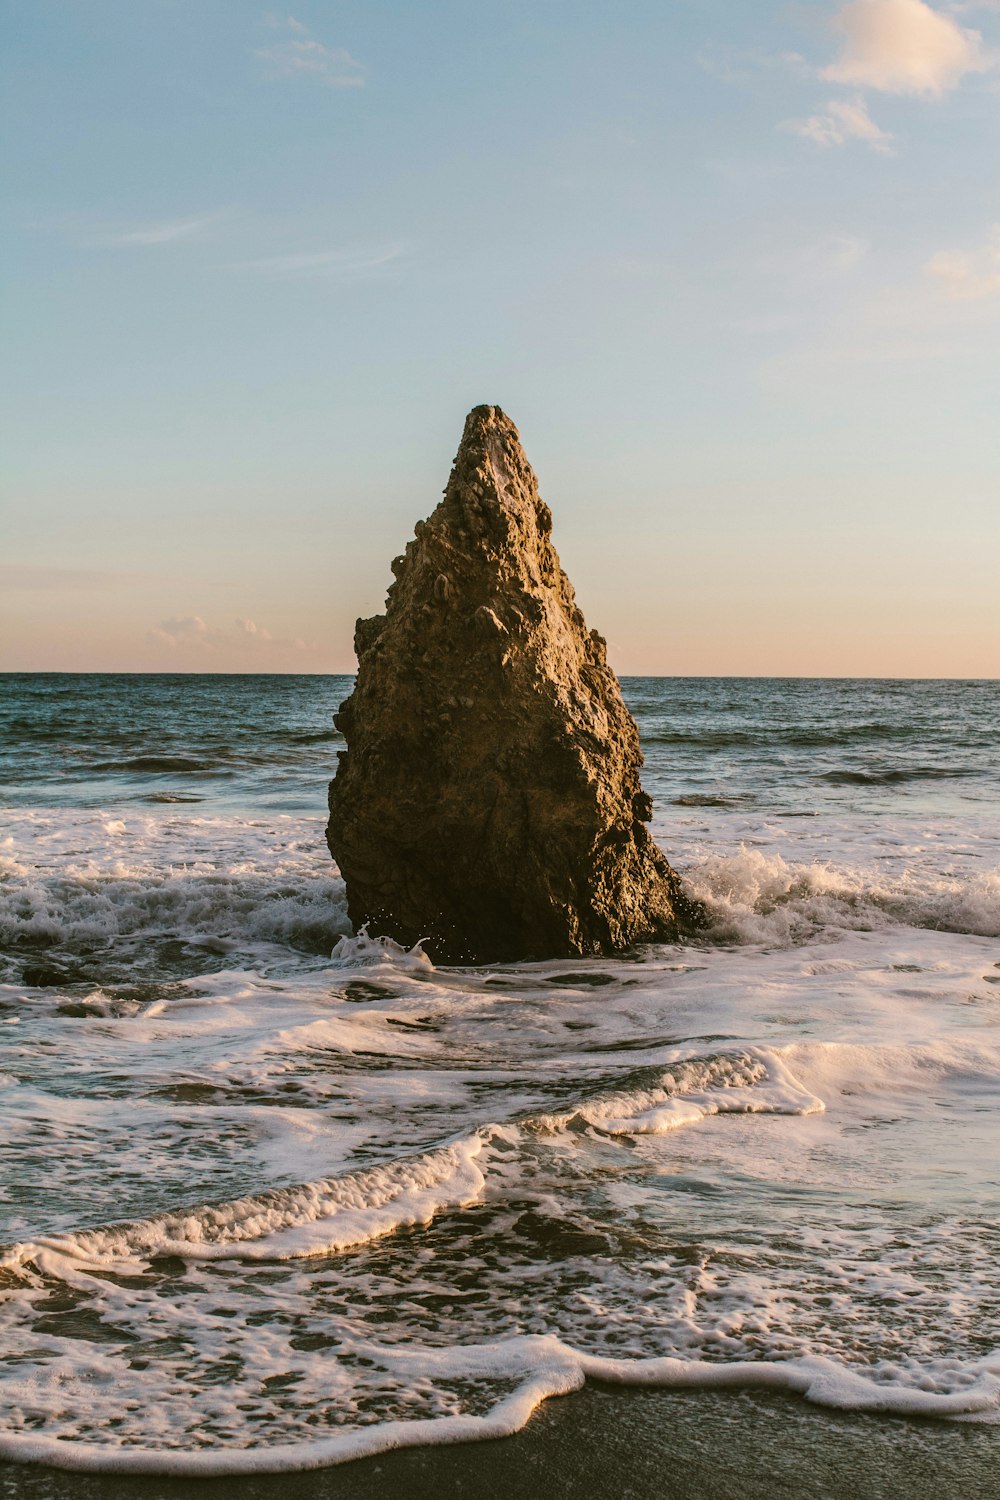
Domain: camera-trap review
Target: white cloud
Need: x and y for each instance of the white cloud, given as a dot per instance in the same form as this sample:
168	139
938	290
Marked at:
336	263
840	252
272	18
187	631
168	232
842	120
966	276
181	630
301	55
164	234
733	64
905	47
833	256
255	631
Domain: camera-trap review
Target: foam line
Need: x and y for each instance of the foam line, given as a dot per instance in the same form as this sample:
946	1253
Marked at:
753	1081
560	1370
313	1219
337	1213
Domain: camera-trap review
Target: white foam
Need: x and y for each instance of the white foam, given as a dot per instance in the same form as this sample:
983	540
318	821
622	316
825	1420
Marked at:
312	1219
76	877
760	896
361	949
756	1081
545	1367
378	1267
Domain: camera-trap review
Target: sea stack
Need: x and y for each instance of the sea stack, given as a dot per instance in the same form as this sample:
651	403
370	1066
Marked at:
489	801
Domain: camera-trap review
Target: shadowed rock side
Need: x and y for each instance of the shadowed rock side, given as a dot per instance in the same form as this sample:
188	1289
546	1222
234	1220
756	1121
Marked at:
489	799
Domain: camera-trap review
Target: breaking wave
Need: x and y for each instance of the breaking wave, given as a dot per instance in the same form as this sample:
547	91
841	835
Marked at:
78	880
314	1218
69	912
753	896
758	897
336	1213
464	1386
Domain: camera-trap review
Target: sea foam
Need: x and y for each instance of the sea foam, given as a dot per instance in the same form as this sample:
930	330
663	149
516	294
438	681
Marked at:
275	1208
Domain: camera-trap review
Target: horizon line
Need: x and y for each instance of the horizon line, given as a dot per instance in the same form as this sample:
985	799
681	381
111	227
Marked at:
622	676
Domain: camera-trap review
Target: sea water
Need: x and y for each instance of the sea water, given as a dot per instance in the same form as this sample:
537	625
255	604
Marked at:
275	1195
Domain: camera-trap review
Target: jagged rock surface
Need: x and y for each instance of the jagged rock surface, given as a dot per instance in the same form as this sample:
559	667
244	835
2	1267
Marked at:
489	799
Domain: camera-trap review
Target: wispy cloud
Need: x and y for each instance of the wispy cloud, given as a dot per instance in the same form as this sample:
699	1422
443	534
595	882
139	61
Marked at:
299	54
841	121
164	232
969	276
734	64
905	47
344	264
825	259
182	632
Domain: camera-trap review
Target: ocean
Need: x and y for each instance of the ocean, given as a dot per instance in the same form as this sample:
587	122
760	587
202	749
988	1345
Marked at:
275	1195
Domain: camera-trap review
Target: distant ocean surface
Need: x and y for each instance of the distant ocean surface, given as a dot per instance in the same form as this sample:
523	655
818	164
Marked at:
274	1195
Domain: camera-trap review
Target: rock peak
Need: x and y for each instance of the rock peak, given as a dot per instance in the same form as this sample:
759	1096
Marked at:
489	799
491	468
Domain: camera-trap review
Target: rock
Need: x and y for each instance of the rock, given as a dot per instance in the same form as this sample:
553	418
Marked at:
489	800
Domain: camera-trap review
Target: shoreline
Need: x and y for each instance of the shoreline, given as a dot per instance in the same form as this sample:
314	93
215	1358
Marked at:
603	1443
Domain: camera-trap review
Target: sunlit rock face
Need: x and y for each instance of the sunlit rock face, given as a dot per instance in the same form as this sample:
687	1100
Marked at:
489	800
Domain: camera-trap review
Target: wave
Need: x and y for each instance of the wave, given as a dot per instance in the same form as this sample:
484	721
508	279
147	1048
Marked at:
170	797
336	1213
179	765
753	897
506	1377
306	736
896	775
313	1218
707	799
835	736
75	912
544	1366
754	1081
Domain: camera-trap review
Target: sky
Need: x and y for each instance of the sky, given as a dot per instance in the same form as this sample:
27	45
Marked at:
733	269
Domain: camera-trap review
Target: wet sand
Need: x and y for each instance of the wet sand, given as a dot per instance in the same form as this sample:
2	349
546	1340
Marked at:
603	1444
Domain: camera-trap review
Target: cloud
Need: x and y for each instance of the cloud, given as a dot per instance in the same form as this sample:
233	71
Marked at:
833	256
968	277
187	631
167	232
839	252
89	233
255	631
181	631
336	263
301	55
842	120
273	18
164	234
734	64
905	47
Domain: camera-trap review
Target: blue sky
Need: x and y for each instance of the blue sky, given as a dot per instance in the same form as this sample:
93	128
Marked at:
733	269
